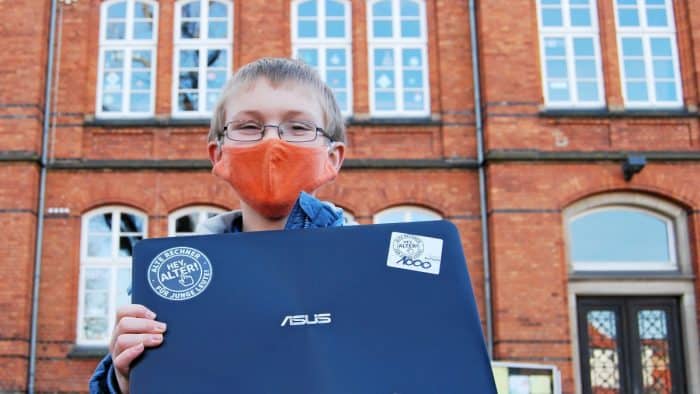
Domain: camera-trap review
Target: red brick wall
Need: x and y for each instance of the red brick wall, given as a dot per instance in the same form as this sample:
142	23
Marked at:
526	199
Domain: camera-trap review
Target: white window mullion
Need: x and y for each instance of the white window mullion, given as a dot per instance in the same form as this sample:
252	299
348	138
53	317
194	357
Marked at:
202	78
126	98
112	297
321	19
648	68
129	23
396	19
398	77
204	20
571	68
322	65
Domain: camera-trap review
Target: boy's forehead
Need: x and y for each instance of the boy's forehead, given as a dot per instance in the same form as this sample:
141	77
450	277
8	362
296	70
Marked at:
260	95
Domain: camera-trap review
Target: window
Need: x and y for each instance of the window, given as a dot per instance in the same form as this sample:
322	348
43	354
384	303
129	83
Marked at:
646	37
203	43
321	37
513	377
405	214
108	239
570	53
631	295
630	344
185	221
398	63
622	238
128	36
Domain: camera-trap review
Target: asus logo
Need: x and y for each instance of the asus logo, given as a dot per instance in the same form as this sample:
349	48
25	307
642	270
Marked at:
304	320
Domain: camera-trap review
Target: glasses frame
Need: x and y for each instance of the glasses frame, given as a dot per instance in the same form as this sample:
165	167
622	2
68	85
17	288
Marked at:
280	132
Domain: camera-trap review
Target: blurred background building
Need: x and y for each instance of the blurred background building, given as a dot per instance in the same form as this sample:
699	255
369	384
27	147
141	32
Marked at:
569	159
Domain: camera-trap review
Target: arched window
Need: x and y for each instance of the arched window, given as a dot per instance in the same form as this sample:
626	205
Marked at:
185	221
108	238
405	214
622	238
128	37
321	37
203	45
398	62
629	291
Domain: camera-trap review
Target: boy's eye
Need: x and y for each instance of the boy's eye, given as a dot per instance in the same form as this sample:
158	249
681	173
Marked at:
246	126
300	126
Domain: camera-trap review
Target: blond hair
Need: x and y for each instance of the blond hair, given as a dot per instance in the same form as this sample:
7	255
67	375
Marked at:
278	71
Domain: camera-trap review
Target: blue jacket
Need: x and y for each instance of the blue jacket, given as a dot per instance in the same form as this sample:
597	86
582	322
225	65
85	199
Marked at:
308	212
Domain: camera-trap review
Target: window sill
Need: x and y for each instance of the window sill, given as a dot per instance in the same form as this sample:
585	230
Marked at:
88	351
628	113
629	275
146	122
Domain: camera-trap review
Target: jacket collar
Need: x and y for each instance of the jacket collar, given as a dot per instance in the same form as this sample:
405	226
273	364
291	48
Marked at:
308	212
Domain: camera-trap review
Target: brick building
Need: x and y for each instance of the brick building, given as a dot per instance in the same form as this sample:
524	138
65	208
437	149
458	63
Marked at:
591	269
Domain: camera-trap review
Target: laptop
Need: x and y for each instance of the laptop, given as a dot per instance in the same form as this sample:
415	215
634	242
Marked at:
385	308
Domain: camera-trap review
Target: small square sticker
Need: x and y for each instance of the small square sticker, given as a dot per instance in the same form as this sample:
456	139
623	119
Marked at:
415	253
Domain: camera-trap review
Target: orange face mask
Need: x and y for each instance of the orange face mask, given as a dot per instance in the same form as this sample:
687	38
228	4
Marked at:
269	175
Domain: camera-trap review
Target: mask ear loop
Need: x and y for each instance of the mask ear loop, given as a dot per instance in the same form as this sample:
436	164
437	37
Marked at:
219	141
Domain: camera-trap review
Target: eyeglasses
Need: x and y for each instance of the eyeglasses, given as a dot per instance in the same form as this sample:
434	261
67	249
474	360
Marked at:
290	131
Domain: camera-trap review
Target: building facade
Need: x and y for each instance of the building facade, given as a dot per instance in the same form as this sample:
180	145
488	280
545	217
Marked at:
590	167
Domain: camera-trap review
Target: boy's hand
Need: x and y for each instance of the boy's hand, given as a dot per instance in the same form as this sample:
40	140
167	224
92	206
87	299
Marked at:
136	328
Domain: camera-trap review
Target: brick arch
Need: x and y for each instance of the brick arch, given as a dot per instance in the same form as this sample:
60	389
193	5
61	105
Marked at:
202	192
651	191
105	202
198	203
411	203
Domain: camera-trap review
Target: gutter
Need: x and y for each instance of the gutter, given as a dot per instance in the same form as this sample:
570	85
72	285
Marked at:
481	164
31	374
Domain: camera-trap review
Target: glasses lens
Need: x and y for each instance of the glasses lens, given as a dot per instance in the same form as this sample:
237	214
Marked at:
298	131
244	131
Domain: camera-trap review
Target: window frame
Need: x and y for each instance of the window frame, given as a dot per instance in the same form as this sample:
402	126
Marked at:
677	223
646	33
397	44
202	45
199	209
409	210
113	263
127	45
594	266
568	33
321	43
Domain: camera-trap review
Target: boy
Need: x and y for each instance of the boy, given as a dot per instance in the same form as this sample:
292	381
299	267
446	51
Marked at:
276	135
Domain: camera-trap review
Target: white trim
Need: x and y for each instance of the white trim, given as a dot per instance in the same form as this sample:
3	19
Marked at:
407	211
200	210
568	33
397	44
202	44
642	287
321	43
676	217
556	373
646	33
127	46
114	263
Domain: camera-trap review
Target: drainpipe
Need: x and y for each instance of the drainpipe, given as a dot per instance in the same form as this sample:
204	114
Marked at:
482	178
40	205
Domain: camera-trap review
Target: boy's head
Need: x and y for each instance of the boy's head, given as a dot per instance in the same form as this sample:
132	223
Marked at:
278	72
276	131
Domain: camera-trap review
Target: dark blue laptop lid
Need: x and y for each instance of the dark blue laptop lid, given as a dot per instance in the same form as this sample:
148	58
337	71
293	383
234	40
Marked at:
361	309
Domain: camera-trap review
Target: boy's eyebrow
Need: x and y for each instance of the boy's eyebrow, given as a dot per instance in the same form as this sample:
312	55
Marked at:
257	114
